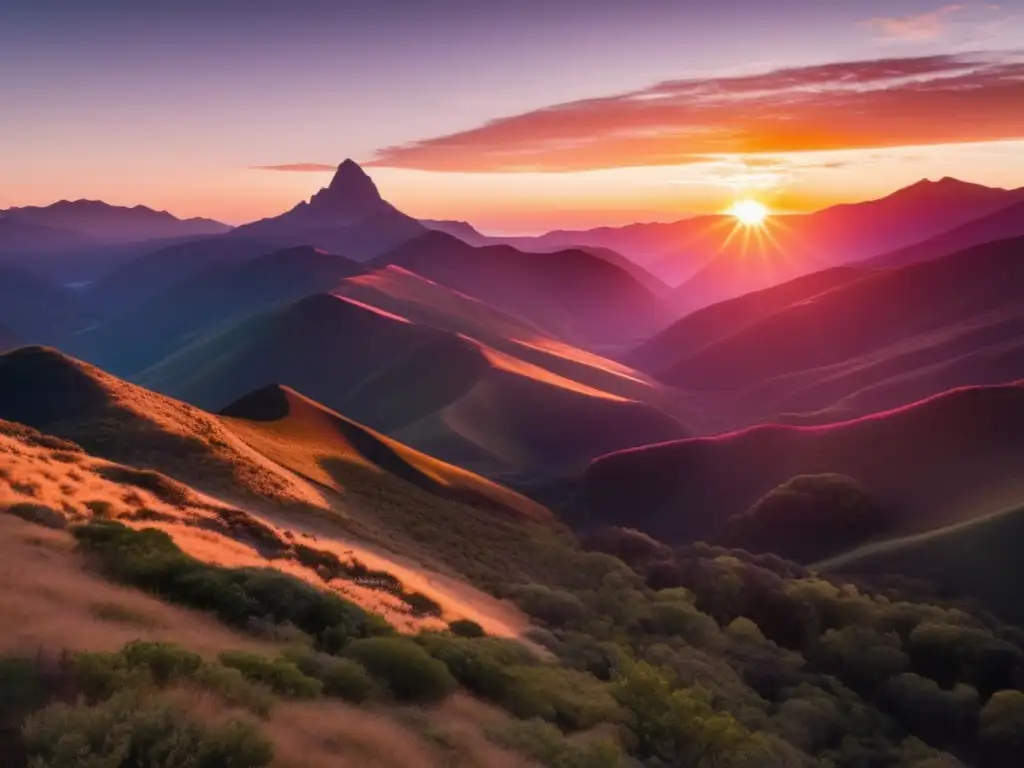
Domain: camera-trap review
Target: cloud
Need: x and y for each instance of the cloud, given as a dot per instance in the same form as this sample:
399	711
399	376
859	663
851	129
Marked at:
848	105
924	26
297	167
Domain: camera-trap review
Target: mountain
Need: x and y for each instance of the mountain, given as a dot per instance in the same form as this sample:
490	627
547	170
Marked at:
926	320
78	241
37	311
141	279
321	445
950	458
460	229
718	321
573	295
104	223
348	216
201	302
1003	224
423	301
441	392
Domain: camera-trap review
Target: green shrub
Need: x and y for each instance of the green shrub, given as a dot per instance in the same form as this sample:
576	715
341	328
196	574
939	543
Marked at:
568	698
552	606
149	559
545	744
132	732
100	675
40	514
280	675
466	628
483	666
234	689
161	486
166	662
419	604
341	678
1001	728
22	687
408	671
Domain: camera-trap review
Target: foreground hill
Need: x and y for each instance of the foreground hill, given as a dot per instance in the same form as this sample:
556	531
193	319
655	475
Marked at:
950	458
714	323
321	445
440	391
348	216
923	321
572	294
201	302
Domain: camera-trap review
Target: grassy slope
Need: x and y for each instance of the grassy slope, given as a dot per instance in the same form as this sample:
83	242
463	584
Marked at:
950	458
978	558
320	444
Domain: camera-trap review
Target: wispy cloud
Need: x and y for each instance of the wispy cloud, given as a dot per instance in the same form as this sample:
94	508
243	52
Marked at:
848	105
296	167
923	26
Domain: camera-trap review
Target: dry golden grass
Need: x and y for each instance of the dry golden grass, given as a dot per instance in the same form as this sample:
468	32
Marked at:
70	489
312	434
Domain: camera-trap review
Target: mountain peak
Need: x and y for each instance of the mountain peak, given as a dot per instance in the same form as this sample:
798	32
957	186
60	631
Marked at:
351	189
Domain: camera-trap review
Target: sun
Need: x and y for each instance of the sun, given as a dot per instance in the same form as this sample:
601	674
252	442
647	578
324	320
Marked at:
750	213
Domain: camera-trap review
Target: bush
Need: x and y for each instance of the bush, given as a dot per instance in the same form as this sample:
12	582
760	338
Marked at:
807	519
1001	728
161	486
128	731
408	671
552	606
166	663
483	666
40	514
149	559
234	689
341	678
279	675
466	628
572	700
545	744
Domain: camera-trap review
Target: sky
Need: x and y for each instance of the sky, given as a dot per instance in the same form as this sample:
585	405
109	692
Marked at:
517	115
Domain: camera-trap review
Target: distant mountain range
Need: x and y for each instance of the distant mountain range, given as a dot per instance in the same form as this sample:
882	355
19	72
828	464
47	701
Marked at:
77	240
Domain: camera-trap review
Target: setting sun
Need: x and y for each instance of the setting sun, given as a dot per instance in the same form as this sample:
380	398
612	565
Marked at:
749	212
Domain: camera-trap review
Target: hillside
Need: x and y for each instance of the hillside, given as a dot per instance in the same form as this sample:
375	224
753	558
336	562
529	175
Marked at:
321	445
946	459
348	216
36	310
199	303
573	294
481	408
423	301
978	559
146	276
1003	224
716	322
906	321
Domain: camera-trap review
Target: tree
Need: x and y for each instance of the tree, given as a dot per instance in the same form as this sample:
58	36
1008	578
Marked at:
1001	728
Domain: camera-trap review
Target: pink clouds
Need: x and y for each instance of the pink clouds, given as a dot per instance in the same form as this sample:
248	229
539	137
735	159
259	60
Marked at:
848	105
924	26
